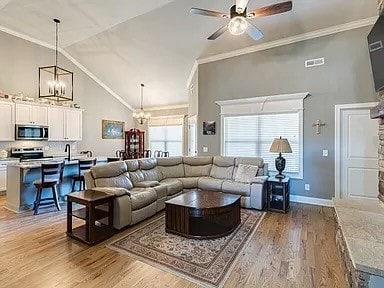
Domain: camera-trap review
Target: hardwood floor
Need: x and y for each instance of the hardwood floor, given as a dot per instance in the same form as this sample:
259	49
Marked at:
293	250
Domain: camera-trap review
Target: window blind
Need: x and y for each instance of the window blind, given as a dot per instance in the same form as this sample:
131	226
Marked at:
253	136
166	138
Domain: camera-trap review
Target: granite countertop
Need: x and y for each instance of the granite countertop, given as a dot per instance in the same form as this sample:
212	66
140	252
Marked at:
362	224
9	159
37	164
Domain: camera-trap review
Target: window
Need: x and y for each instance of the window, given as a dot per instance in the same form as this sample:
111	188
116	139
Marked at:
253	135
166	138
249	126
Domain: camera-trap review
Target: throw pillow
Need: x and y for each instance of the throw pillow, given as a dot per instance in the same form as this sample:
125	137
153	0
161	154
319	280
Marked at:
245	173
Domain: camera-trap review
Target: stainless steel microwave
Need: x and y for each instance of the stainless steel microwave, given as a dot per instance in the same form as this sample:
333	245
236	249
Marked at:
31	132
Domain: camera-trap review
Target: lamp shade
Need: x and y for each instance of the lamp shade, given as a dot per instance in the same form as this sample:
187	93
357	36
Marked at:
280	145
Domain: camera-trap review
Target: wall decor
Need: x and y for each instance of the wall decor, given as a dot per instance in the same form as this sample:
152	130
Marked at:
112	129
209	127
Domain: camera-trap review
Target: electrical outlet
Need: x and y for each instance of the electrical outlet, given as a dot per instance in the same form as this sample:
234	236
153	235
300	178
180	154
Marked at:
325	153
205	149
307	187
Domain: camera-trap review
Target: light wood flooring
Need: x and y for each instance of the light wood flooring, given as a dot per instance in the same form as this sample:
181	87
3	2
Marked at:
293	250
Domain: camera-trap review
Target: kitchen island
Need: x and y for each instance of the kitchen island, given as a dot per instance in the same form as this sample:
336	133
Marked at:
21	192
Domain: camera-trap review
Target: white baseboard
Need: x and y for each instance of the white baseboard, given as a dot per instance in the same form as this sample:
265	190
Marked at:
310	200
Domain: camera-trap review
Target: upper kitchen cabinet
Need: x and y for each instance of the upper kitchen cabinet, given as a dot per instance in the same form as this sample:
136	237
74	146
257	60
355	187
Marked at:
31	114
64	124
7	123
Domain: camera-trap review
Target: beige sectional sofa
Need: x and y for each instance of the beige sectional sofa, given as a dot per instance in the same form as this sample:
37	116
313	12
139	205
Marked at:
142	186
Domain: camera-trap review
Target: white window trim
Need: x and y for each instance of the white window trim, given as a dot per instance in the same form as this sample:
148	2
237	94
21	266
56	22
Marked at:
267	105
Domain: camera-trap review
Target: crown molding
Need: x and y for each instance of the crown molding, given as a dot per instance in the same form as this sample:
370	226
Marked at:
290	40
70	58
180	106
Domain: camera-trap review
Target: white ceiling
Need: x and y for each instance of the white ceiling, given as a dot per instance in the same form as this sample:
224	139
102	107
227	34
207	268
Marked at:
155	42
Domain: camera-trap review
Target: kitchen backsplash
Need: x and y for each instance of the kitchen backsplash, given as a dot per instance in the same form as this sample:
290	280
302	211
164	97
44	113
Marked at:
50	148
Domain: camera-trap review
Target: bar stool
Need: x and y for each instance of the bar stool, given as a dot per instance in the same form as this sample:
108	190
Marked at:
83	165
51	176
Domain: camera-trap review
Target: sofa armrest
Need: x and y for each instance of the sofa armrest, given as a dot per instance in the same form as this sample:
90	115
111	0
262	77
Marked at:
258	179
117	191
147	184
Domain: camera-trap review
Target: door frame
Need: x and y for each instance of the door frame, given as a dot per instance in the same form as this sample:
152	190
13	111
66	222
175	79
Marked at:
338	111
192	120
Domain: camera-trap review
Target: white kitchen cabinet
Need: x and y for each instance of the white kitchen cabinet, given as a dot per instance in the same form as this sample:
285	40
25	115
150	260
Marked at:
3	178
31	114
7	124
65	124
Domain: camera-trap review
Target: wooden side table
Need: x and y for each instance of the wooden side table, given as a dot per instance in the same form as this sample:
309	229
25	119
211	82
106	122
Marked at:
93	231
278	194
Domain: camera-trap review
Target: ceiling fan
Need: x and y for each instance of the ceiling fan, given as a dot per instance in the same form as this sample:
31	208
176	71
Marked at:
238	16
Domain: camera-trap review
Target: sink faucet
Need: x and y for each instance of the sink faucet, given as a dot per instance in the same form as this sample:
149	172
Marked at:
68	150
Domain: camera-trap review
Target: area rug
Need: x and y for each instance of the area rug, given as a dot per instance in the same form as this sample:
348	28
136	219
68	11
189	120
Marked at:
205	262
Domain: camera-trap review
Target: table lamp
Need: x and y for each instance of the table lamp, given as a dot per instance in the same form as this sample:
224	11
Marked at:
280	145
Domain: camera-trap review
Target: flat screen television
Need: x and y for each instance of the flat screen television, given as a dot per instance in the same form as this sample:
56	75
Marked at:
376	51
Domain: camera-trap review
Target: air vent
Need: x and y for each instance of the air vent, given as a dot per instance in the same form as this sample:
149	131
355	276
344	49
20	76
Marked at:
314	62
375	46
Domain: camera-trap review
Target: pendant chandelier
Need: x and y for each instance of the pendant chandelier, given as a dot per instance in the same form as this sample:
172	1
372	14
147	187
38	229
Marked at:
56	83
141	117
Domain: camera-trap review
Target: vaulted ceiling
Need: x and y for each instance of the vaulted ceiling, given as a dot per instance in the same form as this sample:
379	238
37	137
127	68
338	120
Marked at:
128	42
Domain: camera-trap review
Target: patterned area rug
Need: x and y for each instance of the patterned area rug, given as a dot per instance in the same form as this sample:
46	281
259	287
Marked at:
205	262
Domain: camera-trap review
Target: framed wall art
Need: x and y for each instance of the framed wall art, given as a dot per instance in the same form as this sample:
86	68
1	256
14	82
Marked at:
112	129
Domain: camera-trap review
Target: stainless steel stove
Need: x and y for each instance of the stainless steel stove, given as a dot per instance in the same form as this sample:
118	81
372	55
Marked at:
30	154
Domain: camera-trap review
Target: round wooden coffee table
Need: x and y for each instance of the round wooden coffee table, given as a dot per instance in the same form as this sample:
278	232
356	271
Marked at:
202	214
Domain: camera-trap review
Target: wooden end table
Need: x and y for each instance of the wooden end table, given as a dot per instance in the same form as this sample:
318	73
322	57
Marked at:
278	194
93	231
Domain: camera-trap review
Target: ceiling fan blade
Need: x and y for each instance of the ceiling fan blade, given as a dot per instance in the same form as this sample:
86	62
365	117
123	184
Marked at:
218	33
241	5
254	32
211	13
271	10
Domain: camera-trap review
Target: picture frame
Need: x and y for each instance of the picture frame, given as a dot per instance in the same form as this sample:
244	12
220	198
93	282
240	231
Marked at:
113	129
209	128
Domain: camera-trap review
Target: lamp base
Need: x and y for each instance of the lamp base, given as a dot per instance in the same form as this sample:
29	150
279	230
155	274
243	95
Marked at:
280	166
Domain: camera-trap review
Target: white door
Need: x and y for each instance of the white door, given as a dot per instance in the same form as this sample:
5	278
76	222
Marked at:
356	151
56	118
73	125
40	115
192	129
24	114
7	127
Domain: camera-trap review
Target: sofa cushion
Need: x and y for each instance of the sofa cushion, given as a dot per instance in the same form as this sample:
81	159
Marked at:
136	176
153	174
197	161
255	161
109	170
132	165
223	161
171	167
245	173
173	185
210	184
146	184
142	197
197	171
117	181
161	191
243	189
221	172
189	182
147	163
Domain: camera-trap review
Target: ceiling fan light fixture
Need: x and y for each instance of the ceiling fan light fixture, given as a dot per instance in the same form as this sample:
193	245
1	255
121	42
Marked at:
238	25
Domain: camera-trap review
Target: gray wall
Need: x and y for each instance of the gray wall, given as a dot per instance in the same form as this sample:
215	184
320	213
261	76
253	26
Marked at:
346	78
19	62
193	95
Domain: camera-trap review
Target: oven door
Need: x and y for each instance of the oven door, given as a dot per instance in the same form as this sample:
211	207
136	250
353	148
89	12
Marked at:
30	132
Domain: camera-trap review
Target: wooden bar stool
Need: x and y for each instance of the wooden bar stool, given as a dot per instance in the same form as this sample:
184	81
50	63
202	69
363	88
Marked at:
83	165
51	176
